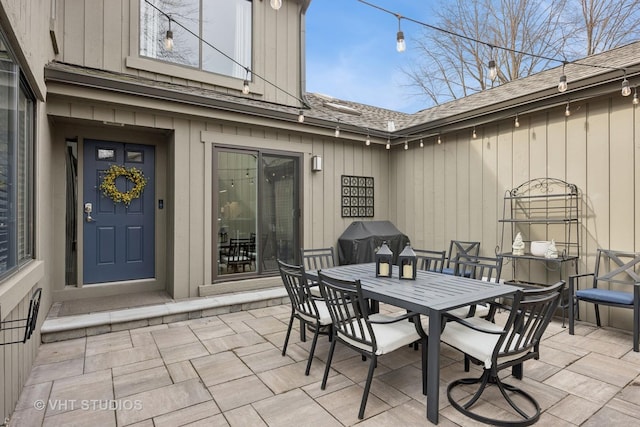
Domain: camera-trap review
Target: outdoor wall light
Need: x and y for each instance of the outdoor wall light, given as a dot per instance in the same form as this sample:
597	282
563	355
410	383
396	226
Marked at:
316	164
384	261
407	263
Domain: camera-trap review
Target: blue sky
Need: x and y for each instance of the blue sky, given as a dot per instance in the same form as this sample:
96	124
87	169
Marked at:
351	51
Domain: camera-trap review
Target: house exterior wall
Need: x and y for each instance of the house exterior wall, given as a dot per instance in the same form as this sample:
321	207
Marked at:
455	190
25	25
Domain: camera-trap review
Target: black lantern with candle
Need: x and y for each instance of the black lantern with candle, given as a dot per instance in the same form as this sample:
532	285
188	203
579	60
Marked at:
407	264
384	261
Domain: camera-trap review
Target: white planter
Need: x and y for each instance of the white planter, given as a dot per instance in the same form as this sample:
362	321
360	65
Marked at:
539	247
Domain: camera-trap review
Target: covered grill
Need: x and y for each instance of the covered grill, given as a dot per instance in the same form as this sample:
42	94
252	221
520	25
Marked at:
360	241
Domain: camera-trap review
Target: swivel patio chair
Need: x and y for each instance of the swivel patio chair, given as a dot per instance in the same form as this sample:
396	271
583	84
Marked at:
309	309
615	282
369	335
457	248
499	347
429	260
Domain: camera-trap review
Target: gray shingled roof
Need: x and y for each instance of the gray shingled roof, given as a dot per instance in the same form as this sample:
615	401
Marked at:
359	117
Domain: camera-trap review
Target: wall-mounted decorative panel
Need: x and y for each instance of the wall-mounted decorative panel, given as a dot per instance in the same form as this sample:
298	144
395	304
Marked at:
357	196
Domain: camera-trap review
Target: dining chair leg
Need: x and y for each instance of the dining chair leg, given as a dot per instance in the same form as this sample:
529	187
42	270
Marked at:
303	331
367	386
286	338
327	366
313	349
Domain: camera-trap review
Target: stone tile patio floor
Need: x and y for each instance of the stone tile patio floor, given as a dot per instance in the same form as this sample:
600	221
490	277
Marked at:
227	370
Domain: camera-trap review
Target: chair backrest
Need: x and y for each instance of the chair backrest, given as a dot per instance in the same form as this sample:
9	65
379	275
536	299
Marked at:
530	314
617	266
295	282
430	260
317	259
479	267
238	248
460	247
348	310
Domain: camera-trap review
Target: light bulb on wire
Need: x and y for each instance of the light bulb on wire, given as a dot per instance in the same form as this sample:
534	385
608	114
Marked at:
337	132
276	4
635	101
245	84
474	135
517	122
493	70
626	89
401	46
421	143
367	142
301	117
439	140
406	145
562	84
567	110
168	40
388	146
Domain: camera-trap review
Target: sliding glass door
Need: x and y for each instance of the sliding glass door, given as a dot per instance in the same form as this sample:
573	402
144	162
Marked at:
256	211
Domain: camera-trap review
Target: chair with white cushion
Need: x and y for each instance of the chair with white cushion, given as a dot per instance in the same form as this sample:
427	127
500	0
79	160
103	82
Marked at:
497	347
306	307
487	269
429	260
458	248
369	335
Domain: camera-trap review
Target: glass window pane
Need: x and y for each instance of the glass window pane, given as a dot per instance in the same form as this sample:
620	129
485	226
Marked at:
24	194
106	154
134	156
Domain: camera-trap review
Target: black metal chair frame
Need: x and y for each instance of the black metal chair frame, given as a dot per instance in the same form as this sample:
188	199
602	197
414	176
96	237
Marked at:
353	327
460	247
317	259
429	260
304	306
531	311
622	268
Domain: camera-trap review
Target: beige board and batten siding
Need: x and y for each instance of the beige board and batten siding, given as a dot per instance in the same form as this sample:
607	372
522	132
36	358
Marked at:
455	190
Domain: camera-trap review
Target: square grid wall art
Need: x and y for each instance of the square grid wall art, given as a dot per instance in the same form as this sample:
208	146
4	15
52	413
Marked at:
357	196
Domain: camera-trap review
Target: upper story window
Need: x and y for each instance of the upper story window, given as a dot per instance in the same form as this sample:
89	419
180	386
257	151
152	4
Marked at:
16	164
210	35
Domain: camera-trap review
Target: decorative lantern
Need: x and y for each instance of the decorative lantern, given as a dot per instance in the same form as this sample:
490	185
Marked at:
384	261
407	263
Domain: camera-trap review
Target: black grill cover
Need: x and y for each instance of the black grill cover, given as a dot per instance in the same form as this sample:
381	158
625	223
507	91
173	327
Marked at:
360	241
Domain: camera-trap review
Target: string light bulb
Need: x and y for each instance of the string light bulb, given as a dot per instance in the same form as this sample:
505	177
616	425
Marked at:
421	143
367	142
388	146
493	70
626	89
276	4
635	101
168	40
567	110
401	46
337	133
474	135
406	145
562	84
439	140
301	117
245	84
517	122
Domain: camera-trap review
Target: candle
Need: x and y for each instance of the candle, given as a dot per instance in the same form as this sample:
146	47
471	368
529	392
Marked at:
384	269
407	271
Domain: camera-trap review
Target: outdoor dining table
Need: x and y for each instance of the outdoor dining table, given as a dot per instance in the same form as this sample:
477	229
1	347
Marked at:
430	294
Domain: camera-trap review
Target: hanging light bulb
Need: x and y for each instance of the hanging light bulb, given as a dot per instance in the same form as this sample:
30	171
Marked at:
439	140
474	135
421	143
301	117
406	145
367	142
567	111
493	70
635	101
388	146
517	122
562	84
168	40
337	133
400	43
232	185
276	4
626	89
245	84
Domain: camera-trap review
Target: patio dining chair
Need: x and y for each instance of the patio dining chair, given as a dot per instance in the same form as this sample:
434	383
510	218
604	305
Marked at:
487	269
317	259
307	308
615	282
429	260
457	248
370	335
498	347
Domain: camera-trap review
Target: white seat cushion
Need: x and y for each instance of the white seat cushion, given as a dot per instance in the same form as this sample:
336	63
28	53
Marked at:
389	337
323	312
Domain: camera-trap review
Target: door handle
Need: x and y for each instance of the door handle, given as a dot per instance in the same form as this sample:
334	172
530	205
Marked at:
88	208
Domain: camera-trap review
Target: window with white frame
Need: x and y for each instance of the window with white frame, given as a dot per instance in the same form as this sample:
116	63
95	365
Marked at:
16	164
210	35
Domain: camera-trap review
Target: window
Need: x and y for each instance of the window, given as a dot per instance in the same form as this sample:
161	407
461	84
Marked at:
16	165
216	36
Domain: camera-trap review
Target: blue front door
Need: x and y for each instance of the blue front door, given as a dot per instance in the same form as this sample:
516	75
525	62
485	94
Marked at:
118	239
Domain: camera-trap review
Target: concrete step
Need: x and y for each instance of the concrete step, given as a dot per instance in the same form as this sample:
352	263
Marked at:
83	325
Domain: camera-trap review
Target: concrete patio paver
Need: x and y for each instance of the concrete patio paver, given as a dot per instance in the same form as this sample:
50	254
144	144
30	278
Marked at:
227	370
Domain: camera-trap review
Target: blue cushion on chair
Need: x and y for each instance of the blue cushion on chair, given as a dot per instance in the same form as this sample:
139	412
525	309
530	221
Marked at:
606	296
448	271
